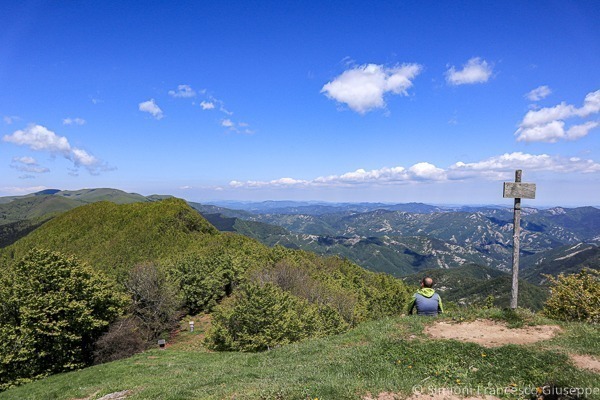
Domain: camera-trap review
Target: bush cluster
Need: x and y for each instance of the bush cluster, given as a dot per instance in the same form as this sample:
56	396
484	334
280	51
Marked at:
301	295
574	297
259	317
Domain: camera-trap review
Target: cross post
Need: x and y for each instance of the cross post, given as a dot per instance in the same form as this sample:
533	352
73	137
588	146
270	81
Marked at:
517	190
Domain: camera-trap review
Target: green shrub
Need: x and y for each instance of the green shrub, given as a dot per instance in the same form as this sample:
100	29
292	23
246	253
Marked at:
574	297
52	310
204	280
258	317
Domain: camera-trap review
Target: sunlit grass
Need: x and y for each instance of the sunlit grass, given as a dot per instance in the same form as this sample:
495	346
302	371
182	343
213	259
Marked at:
390	355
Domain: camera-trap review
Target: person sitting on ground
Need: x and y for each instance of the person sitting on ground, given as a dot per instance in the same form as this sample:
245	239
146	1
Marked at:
426	300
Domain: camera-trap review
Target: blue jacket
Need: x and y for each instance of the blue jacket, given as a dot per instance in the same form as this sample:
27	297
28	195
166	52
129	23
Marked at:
427	302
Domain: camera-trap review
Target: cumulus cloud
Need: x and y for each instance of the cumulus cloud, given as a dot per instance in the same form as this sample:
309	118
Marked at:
494	168
548	125
539	93
28	164
363	88
503	166
82	157
475	70
40	138
152	108
183	91
207	105
73	121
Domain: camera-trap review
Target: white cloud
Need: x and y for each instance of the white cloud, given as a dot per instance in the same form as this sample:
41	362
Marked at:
183	91
28	164
224	110
82	157
503	167
475	70
427	172
539	93
151	107
40	138
495	168
578	131
363	88
73	121
547	124
227	123
25	160
9	119
207	105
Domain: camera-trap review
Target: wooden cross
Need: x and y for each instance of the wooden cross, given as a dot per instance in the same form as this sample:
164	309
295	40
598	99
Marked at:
517	190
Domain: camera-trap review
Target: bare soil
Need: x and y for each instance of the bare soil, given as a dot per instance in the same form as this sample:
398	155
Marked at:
586	362
425	396
490	333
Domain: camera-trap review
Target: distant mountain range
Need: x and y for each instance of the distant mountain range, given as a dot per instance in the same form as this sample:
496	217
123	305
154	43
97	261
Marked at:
399	239
402	242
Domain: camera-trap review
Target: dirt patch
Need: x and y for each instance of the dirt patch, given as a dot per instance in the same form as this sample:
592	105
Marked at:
422	396
586	362
490	333
111	396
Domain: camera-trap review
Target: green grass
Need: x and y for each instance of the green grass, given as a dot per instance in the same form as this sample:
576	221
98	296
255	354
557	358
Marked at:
390	355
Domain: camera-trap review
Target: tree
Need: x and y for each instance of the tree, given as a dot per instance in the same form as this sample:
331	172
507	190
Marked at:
154	300
52	310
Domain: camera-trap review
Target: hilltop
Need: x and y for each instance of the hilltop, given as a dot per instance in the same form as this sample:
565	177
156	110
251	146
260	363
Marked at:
114	237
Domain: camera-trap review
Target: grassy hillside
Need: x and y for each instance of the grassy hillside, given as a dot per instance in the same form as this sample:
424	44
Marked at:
114	237
19	215
391	355
34	207
102	194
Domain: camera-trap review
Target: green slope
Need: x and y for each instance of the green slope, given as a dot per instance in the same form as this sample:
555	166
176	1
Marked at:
114	237
390	357
19	215
27	208
102	194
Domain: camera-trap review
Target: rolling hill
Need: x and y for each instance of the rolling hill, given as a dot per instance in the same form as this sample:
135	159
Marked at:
114	237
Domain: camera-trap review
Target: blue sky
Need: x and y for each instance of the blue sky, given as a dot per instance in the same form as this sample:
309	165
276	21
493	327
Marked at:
392	101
